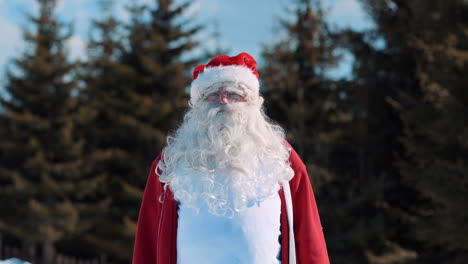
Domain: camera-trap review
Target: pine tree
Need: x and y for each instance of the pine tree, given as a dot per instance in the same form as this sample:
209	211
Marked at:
157	97
135	94
368	194
363	227
102	101
295	85
305	101
393	192
436	128
353	144
41	187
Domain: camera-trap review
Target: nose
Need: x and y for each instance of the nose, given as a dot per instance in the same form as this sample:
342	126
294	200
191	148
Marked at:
222	99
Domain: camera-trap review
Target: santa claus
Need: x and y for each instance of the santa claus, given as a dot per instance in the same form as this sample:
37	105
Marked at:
228	188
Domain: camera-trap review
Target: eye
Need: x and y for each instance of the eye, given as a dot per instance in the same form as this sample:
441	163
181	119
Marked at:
235	97
212	96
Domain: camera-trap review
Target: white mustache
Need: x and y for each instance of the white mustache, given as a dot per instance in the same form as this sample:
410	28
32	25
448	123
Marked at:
215	111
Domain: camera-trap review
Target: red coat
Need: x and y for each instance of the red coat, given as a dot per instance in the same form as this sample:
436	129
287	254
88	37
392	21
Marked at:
155	241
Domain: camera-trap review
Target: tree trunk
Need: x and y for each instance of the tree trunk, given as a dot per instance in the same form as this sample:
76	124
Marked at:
48	252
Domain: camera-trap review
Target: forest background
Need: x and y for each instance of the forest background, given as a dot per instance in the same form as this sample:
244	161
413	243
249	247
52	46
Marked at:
378	112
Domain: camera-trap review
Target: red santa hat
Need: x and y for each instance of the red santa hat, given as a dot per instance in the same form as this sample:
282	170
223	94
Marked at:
240	70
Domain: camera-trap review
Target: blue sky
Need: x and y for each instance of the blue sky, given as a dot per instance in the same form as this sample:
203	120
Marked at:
244	25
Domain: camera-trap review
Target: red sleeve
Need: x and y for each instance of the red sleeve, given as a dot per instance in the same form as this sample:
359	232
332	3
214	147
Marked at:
310	242
144	251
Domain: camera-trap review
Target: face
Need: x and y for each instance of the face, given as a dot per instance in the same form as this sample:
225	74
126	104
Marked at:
225	97
225	154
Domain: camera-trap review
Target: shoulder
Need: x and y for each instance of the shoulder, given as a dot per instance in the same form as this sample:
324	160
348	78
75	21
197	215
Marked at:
301	177
294	160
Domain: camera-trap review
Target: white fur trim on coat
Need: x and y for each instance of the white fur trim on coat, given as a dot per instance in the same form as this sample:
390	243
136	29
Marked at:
219	74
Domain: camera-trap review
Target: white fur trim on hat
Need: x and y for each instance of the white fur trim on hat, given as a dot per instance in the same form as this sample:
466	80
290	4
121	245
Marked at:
220	74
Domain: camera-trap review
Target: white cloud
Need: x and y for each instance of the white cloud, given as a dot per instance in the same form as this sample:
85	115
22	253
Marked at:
194	8
349	13
60	7
77	47
347	8
121	12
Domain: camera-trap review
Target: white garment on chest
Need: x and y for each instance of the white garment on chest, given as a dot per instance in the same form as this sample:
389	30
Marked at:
249	237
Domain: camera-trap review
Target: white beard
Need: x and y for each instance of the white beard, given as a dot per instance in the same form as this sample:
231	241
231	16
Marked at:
226	156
